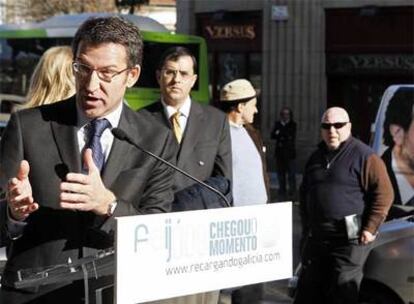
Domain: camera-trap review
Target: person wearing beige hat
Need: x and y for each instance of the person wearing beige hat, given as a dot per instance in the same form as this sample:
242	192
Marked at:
238	99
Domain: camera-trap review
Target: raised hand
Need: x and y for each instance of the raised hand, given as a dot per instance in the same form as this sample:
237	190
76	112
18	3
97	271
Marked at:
86	192
19	194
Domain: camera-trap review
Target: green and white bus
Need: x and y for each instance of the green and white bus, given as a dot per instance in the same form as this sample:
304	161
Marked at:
22	45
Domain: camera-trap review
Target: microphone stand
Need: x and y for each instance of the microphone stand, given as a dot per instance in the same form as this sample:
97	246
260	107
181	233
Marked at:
120	134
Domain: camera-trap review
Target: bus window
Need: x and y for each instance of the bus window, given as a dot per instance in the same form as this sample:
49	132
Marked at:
20	50
18	58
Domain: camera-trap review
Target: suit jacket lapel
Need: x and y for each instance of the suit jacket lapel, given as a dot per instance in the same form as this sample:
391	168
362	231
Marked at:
64	133
120	149
194	123
158	112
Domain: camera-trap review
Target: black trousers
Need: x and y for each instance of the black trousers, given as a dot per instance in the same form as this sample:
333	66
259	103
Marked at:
286	167
331	271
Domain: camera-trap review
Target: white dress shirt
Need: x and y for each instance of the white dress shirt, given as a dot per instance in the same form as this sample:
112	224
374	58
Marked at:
184	110
107	137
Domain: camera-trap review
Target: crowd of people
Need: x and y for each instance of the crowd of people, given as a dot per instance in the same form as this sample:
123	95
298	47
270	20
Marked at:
66	177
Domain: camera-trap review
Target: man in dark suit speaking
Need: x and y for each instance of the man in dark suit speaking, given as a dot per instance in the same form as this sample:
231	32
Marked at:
65	174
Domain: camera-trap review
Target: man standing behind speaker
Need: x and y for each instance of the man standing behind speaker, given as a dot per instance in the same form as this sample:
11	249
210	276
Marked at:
201	131
238	99
250	185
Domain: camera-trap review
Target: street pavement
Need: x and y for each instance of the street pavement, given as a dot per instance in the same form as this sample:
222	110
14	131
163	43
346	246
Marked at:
276	292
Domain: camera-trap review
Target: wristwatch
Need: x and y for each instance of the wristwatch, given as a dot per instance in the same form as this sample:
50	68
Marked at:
111	208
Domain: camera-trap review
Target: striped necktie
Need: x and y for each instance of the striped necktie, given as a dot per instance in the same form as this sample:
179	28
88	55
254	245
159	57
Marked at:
97	127
175	122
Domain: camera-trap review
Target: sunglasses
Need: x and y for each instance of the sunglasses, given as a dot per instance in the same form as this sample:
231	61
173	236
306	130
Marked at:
336	125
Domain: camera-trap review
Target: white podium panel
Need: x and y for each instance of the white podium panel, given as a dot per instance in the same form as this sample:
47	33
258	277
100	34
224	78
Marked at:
172	254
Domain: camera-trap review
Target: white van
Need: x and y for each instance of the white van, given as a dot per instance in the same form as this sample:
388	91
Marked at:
377	131
389	270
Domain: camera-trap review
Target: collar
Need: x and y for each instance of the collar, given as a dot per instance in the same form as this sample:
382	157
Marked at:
284	123
233	124
114	117
184	109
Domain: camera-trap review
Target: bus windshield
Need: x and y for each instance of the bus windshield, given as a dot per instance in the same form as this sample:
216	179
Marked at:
18	58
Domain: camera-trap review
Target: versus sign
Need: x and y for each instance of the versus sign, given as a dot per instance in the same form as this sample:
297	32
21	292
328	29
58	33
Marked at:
230	32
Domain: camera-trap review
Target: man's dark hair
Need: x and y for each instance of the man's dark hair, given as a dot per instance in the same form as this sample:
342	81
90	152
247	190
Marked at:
113	29
173	54
400	111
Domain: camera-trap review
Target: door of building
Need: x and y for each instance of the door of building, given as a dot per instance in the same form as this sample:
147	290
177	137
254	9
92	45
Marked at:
234	42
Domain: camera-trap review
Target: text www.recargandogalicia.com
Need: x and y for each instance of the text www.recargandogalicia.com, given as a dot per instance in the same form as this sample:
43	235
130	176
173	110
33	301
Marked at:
218	265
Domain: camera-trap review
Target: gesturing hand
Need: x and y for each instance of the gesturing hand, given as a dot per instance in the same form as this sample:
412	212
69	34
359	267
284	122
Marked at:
86	192
19	194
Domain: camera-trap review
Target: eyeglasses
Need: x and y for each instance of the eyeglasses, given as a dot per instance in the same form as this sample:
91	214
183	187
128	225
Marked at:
104	74
336	125
170	74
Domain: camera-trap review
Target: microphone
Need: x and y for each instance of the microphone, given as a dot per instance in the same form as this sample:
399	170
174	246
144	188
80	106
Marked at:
121	135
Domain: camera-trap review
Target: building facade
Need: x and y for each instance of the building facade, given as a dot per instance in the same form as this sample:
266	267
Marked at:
2	10
308	55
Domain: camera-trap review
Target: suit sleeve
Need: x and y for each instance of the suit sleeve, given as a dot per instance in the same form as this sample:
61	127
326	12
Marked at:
293	135
303	202
11	154
273	133
223	160
3	216
11	150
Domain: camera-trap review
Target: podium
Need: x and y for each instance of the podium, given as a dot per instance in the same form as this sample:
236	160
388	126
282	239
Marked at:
96	271
162	256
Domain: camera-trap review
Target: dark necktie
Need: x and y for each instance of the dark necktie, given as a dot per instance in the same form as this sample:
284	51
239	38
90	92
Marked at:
97	127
